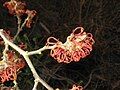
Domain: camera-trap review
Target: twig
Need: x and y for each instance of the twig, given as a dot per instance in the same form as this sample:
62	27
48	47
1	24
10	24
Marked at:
19	28
4	52
35	85
40	50
45	27
90	78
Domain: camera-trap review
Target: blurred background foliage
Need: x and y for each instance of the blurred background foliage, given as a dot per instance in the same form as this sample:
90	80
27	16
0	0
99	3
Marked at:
98	71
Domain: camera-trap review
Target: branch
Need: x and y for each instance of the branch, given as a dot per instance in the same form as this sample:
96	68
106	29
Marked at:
90	77
25	54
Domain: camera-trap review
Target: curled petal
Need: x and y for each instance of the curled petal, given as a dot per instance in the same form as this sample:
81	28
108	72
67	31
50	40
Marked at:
76	56
88	46
52	41
89	38
56	53
86	51
61	55
66	57
89	35
78	31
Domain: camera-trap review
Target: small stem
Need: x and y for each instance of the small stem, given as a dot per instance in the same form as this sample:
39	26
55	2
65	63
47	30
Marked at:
20	27
4	52
16	85
24	23
40	50
19	30
35	85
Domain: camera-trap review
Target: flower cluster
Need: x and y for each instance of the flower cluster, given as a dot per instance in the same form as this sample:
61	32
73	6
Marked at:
18	8
76	87
78	45
31	14
15	7
10	67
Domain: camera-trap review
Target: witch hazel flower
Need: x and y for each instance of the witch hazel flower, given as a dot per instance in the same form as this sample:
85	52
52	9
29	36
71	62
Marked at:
18	8
10	72
31	14
78	45
15	7
10	68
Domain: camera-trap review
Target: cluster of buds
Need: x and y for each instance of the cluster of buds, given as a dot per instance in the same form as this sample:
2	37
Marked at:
18	8
78	45
75	87
10	67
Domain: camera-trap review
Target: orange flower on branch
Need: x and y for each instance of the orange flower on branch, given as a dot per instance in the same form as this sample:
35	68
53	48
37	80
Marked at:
78	45
15	7
10	68
8	74
18	8
31	14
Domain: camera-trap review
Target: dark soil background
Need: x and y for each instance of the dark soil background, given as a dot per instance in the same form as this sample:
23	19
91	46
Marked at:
98	71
